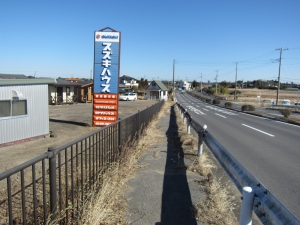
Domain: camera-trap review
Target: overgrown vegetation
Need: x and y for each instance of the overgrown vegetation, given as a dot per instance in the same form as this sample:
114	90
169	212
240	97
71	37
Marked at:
248	108
228	105
285	112
216	101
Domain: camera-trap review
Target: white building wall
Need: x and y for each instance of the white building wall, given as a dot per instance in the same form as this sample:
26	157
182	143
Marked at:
35	123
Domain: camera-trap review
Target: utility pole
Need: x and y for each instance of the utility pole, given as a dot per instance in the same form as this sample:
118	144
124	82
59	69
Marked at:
278	88
217	82
235	80
173	75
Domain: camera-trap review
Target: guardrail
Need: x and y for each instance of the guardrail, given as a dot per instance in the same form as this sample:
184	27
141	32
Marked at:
55	185
266	206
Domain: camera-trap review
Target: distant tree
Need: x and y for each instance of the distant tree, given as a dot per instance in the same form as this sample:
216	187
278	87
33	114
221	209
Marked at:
134	88
142	84
210	90
195	84
223	90
224	83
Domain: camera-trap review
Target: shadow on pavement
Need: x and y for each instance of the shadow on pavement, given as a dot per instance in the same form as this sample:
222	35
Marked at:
69	122
177	207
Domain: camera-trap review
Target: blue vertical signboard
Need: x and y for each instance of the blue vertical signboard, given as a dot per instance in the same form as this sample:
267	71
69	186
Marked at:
106	76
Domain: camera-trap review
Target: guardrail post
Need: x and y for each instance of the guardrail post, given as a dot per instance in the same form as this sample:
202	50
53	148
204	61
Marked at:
52	180
247	204
188	128
184	116
201	136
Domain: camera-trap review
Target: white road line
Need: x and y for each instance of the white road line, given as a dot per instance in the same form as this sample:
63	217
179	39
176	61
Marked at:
206	109
259	130
220	115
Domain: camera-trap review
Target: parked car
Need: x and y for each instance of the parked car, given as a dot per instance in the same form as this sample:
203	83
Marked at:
128	97
286	102
297	103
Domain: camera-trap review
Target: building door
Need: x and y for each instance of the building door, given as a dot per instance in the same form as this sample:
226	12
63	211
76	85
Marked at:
59	91
154	95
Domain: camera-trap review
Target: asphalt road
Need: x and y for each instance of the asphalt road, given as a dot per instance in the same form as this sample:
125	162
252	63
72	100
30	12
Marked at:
269	149
264	111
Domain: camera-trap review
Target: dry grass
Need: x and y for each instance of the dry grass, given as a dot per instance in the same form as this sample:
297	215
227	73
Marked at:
108	205
218	206
250	95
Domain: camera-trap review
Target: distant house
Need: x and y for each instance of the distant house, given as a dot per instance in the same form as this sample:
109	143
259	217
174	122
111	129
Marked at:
156	91
184	85
85	90
126	82
63	92
24	111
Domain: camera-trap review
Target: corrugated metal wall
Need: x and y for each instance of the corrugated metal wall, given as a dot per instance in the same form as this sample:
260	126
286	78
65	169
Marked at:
35	123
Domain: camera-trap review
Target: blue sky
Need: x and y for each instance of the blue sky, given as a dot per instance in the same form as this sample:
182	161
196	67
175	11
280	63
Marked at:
56	38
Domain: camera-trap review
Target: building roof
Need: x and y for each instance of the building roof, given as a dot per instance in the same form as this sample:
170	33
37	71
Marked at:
161	85
12	76
9	82
126	77
63	82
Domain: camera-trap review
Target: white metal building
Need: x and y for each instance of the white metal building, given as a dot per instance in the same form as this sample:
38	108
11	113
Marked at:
24	113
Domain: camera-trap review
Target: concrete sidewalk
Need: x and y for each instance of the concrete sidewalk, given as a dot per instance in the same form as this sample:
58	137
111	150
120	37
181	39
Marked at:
164	192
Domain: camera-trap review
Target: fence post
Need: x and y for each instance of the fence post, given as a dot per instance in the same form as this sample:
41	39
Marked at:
247	204
120	135
139	125
201	135
52	179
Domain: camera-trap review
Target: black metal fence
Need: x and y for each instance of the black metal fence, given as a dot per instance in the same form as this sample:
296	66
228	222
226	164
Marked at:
56	184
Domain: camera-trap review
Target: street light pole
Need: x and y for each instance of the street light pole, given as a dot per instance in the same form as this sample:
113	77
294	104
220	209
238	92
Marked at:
278	87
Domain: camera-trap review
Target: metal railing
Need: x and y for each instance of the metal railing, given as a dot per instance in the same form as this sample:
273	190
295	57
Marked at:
55	185
266	206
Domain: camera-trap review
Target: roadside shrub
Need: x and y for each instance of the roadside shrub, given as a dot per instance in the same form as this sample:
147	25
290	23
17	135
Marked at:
208	100
216	101
228	104
248	108
285	112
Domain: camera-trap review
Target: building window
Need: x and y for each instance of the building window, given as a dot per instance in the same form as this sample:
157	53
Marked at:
5	108
14	107
68	91
19	107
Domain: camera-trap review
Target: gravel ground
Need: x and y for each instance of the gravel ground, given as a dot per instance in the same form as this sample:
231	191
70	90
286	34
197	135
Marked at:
67	122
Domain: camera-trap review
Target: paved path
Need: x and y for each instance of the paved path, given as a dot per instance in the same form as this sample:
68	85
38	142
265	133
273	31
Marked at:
163	192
